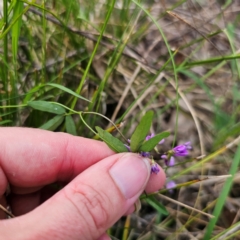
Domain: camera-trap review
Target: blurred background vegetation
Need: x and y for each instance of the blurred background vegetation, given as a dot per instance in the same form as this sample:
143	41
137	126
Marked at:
177	58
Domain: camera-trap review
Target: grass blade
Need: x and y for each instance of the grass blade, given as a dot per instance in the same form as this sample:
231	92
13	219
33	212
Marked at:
5	122
223	195
94	52
67	90
151	200
17	13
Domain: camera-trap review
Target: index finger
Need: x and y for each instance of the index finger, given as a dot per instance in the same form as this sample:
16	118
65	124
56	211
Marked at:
34	157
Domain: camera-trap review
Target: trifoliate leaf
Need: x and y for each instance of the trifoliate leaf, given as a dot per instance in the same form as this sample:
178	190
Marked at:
150	144
141	131
114	143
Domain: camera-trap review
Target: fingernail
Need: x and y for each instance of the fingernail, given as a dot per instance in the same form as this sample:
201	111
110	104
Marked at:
131	173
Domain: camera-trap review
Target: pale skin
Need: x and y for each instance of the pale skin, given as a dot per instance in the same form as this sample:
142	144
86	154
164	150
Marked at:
98	186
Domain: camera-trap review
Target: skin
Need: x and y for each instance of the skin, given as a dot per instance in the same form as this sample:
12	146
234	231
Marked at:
89	200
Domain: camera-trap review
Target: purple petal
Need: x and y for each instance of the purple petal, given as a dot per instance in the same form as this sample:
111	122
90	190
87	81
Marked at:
188	145
128	147
155	168
171	162
149	136
162	141
164	156
170	185
145	154
166	162
180	151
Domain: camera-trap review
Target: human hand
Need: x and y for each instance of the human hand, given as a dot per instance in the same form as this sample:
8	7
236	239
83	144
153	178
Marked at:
102	186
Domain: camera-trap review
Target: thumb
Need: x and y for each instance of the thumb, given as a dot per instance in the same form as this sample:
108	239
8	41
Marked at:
88	205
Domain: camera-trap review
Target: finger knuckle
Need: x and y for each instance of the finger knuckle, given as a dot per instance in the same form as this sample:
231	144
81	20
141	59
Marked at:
91	205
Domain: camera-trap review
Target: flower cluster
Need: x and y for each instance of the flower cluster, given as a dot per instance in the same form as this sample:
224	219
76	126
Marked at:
178	151
169	158
154	166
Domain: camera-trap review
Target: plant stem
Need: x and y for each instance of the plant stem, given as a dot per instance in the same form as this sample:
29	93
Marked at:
5	48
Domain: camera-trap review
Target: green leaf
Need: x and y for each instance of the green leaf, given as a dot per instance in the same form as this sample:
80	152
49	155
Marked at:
47	107
150	144
16	28
151	200
53	123
141	131
70	125
114	143
67	90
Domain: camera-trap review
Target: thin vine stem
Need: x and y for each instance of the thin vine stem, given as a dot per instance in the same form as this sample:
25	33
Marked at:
80	115
99	114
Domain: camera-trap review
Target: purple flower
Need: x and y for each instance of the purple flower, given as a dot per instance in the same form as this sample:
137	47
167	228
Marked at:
128	147
188	145
170	185
162	141
182	150
178	151
164	156
151	136
145	154
168	162
171	161
155	168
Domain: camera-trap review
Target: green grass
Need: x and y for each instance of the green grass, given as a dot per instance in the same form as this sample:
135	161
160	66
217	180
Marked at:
90	57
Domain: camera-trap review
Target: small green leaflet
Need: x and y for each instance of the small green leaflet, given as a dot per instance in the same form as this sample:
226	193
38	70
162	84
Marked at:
46	107
53	123
114	143
151	200
67	90
70	125
141	131
150	144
